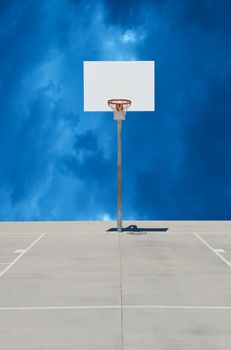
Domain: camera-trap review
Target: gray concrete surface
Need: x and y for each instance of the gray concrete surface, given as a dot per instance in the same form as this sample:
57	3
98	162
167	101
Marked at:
99	226
76	286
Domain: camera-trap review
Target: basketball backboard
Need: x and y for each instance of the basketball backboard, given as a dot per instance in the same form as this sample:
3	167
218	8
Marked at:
104	80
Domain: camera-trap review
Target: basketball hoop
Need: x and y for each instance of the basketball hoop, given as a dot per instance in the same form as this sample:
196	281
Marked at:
119	107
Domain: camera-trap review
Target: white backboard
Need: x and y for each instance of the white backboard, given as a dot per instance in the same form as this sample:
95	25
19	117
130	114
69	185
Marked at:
104	80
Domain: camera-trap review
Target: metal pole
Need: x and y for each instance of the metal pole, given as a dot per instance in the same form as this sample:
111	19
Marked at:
119	175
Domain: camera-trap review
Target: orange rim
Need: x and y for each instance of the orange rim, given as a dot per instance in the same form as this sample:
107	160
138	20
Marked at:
119	103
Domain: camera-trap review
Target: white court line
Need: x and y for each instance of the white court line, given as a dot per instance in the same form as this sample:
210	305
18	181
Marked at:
20	255
212	249
96	307
19	251
176	307
218	250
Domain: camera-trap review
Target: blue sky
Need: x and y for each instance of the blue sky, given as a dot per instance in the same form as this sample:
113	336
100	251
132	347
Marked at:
58	163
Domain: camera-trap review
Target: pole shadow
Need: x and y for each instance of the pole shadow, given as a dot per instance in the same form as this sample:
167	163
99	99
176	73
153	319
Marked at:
135	228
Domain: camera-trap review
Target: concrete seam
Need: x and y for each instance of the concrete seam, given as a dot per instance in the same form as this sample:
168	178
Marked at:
121	295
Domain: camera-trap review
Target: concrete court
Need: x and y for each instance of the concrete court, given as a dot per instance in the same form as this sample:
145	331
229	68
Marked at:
62	285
